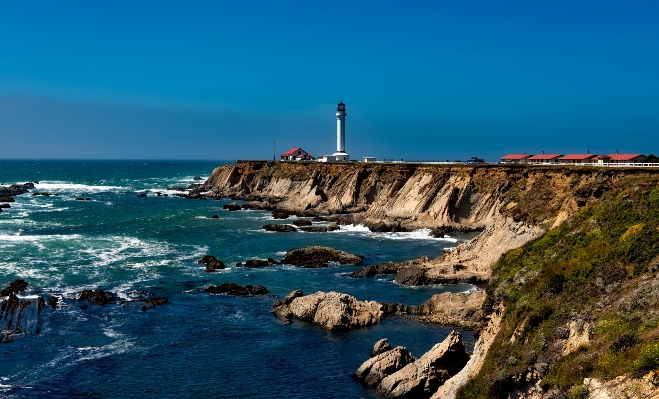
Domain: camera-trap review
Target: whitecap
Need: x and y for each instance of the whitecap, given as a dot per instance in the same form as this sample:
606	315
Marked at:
68	186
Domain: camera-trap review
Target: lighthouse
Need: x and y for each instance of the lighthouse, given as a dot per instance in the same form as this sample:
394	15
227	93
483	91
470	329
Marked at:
340	153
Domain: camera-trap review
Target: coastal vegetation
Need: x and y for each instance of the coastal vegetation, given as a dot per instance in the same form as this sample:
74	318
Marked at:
595	277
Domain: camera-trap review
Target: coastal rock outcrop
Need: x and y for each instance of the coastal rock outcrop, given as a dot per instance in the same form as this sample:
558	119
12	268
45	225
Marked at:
455	309
382	345
96	297
237	290
256	263
317	256
279	228
383	364
232	207
14	190
329	310
302	222
380	268
321	229
280	307
423	377
211	263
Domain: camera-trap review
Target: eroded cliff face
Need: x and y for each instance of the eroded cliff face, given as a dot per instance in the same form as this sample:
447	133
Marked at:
511	204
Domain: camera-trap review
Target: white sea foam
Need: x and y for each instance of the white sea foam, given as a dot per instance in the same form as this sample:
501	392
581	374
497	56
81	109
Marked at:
74	187
420	234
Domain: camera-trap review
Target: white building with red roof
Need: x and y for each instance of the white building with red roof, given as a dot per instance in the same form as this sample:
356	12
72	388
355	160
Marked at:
515	158
544	159
296	154
627	158
577	159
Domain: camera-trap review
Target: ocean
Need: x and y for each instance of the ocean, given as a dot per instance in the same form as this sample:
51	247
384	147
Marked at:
197	345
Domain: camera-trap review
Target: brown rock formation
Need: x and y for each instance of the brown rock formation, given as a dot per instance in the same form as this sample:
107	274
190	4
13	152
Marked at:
235	289
329	310
382	345
421	378
211	263
316	256
375	369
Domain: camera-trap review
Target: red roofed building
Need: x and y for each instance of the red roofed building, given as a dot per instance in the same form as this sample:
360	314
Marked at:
515	158
577	159
602	159
296	154
627	158
551	159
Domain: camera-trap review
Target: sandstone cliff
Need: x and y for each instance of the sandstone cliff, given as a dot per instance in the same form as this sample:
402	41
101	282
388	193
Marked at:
515	207
511	204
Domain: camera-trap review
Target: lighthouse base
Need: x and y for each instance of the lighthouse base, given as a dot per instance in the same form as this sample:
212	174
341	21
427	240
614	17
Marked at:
341	156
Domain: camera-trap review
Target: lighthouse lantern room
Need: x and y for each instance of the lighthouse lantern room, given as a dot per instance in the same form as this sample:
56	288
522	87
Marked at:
340	153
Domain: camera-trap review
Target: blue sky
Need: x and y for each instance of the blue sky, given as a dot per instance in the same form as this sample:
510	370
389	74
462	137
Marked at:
421	80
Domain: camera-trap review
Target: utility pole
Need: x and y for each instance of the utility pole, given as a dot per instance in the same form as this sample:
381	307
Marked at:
274	150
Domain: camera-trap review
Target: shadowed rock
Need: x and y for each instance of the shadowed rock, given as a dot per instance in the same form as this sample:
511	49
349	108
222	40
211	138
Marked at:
280	228
256	263
258	205
302	222
232	207
380	268
281	214
211	262
235	289
321	229
316	256
97	297
14	287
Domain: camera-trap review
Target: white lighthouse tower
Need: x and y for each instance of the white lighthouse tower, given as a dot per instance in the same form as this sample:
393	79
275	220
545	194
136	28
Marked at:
340	153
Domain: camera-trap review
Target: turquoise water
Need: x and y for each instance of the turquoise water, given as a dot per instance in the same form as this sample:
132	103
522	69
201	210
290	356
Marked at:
198	344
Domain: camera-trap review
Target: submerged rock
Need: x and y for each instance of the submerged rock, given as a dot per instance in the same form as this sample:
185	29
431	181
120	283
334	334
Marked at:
153	302
141	195
383	364
256	263
14	287
335	311
317	256
235	289
280	228
212	263
97	297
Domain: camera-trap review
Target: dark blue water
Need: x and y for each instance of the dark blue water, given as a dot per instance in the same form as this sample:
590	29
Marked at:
198	345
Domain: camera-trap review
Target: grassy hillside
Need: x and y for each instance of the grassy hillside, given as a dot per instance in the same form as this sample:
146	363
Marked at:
595	276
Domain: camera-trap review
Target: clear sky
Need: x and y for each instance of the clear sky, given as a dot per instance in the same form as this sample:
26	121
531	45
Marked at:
421	80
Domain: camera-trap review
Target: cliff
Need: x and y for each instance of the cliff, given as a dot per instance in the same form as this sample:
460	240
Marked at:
511	204
546	232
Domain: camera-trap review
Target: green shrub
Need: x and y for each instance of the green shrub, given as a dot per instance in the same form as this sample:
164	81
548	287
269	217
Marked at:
647	360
